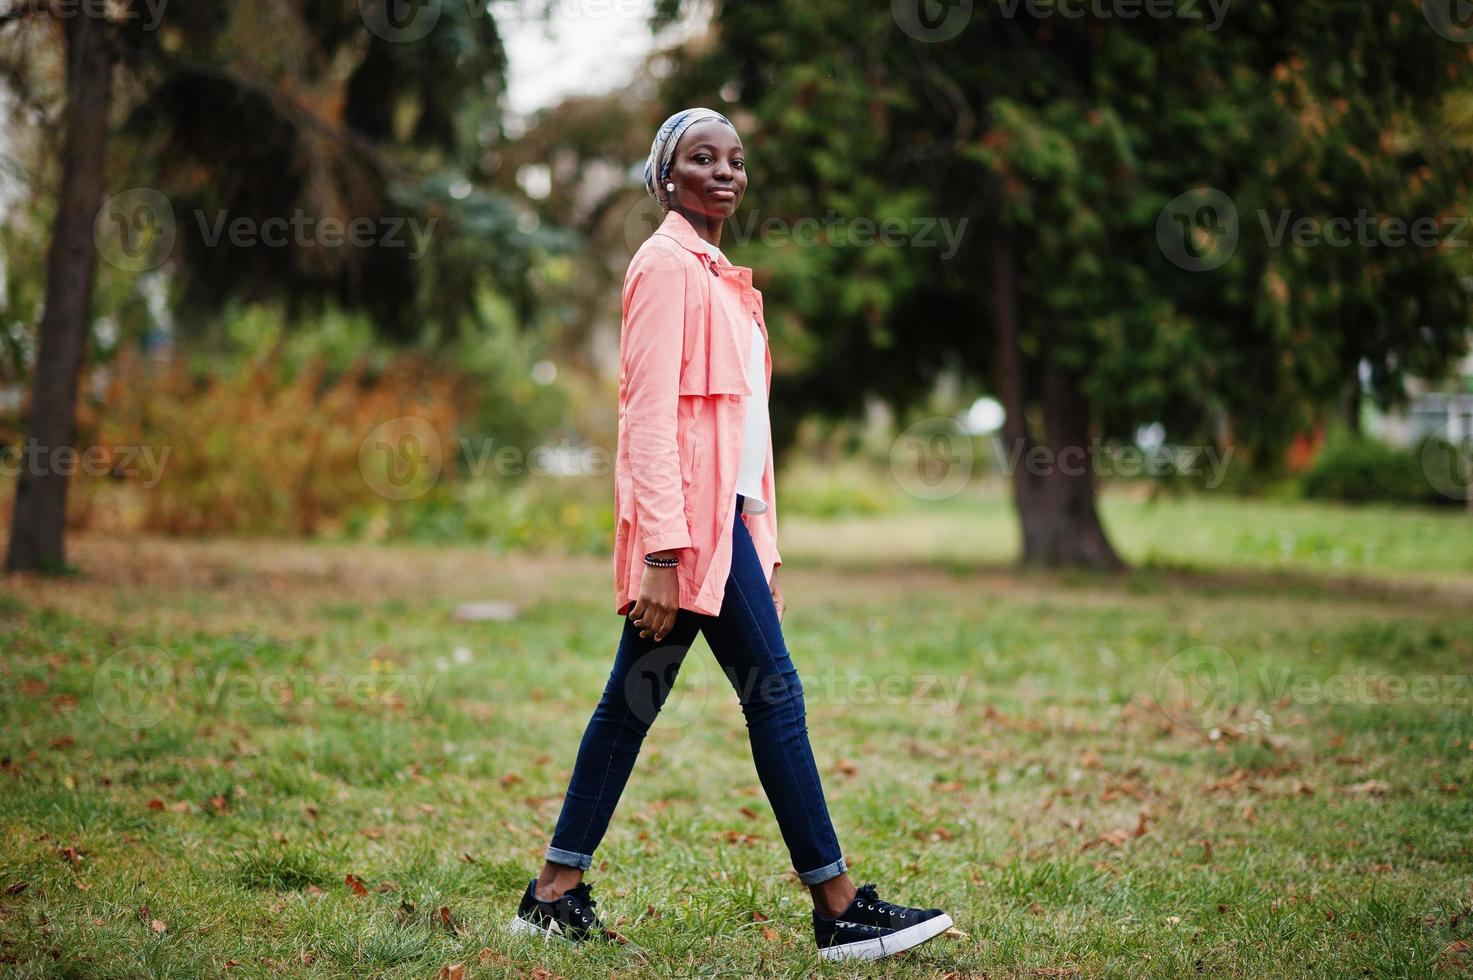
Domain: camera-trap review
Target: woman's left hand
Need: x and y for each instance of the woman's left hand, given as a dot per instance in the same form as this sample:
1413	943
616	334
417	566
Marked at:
777	596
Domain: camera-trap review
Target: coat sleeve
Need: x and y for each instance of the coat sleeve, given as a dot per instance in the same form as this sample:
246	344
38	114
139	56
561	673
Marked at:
651	354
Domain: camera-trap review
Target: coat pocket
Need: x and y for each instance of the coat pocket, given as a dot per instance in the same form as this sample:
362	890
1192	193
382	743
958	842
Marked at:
717	362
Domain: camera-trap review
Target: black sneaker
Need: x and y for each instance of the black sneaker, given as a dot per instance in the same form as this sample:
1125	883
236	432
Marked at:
571	917
870	928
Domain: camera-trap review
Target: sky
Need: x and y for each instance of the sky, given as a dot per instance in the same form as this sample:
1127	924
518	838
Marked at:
583	47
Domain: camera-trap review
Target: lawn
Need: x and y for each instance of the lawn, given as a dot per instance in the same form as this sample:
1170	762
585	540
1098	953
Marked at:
1250	757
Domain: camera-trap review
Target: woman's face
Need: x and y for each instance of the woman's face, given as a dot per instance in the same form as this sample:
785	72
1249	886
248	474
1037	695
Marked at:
708	170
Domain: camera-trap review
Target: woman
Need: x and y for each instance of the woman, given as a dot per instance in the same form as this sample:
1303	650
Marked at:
696	552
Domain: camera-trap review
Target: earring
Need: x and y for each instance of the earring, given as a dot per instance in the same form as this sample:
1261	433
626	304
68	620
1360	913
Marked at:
669	185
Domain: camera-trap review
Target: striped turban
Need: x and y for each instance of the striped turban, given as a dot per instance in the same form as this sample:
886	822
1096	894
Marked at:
662	150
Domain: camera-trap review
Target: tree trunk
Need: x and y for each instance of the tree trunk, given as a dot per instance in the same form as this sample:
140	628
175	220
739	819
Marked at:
1067	529
37	532
1352	403
1053	491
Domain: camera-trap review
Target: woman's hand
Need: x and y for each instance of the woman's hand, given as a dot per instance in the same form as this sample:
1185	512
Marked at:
659	600
777	596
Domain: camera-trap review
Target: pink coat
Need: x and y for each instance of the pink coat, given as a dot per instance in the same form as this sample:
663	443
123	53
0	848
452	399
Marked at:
682	386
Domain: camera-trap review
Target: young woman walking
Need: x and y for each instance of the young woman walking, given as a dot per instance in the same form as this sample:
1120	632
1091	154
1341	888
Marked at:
695	551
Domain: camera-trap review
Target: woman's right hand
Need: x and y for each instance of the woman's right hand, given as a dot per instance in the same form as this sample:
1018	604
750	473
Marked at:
658	602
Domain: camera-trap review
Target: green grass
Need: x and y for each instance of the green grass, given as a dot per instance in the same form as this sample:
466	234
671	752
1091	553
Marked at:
1243	759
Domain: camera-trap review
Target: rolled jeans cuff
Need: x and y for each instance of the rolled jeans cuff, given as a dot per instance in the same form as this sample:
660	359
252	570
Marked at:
571	858
824	873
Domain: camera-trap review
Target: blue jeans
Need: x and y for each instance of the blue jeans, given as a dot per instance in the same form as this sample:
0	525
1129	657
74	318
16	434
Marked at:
747	640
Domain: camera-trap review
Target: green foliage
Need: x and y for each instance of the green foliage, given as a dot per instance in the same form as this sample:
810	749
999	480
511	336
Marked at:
1062	140
1359	469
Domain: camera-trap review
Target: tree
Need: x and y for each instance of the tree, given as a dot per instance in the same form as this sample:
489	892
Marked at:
1115	175
259	111
36	540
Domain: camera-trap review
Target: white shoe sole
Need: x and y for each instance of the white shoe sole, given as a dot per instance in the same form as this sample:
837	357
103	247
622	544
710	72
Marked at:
522	927
896	942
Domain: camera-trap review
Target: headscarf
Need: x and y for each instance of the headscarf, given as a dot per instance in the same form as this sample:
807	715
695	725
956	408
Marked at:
662	150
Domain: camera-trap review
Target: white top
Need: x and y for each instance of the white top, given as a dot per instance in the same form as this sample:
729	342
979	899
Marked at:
755	426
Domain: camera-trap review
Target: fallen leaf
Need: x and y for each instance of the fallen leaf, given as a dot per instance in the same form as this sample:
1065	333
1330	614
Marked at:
372	833
158	925
155	804
454	971
1371	787
356	883
769	934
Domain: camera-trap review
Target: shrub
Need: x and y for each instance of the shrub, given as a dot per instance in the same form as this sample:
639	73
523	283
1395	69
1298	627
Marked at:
1356	469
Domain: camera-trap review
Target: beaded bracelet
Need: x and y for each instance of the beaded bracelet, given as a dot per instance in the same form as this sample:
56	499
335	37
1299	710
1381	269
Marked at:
661	562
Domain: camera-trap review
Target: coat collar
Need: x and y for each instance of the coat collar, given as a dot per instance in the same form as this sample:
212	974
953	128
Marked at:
677	227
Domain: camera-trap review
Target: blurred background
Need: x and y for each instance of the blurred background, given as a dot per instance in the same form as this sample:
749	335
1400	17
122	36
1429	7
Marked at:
1122	402
338	269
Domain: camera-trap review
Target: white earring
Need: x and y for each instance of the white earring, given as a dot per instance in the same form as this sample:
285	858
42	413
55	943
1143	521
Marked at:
669	185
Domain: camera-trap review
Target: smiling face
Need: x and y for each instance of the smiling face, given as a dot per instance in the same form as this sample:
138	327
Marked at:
709	171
